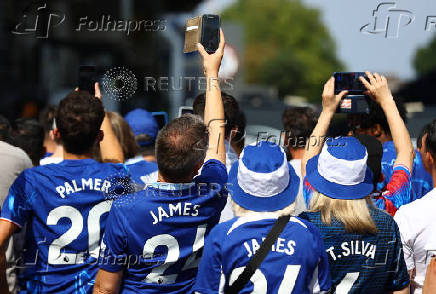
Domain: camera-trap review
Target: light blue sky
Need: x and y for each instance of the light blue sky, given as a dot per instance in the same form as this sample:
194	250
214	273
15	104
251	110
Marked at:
360	51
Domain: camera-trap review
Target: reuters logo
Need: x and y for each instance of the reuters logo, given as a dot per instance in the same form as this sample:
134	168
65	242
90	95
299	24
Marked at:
119	83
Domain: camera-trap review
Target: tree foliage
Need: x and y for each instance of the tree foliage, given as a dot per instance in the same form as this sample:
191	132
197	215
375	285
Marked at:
425	58
286	45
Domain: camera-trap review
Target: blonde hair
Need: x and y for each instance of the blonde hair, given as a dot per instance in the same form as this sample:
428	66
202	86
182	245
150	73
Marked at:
124	134
354	214
240	211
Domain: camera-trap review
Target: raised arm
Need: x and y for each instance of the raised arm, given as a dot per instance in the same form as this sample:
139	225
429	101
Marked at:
330	102
110	148
379	90
214	109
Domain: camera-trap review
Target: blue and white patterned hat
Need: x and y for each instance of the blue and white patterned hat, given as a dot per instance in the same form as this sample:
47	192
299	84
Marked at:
340	171
262	179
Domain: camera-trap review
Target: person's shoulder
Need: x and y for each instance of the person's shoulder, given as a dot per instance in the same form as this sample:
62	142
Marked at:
17	153
214	163
419	207
212	170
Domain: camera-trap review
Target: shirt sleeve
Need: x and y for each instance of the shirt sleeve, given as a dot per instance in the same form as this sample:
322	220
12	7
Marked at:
213	171
17	206
408	237
398	191
113	256
307	192
398	267
209	270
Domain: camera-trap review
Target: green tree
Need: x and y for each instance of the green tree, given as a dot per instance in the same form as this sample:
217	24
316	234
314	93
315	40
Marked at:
425	58
286	45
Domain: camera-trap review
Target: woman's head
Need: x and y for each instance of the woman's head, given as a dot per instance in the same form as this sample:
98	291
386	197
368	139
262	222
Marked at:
353	214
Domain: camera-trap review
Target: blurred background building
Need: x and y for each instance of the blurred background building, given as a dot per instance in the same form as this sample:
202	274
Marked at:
279	53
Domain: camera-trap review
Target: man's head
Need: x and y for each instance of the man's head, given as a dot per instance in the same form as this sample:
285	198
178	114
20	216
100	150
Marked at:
298	124
78	121
375	123
46	119
28	134
181	148
420	140
231	112
428	149
145	129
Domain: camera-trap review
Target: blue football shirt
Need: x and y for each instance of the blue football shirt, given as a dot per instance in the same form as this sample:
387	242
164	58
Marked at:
422	181
156	236
143	172
297	262
364	263
64	209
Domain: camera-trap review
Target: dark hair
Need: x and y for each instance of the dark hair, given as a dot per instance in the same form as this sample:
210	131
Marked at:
180	147
147	149
298	124
231	110
421	134
124	134
430	141
5	128
239	138
46	118
377	116
375	154
78	119
28	134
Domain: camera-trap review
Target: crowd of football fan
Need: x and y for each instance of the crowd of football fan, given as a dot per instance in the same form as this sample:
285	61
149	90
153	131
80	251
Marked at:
97	203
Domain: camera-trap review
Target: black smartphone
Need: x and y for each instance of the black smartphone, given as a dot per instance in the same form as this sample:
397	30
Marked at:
350	82
161	118
354	104
185	109
87	78
210	32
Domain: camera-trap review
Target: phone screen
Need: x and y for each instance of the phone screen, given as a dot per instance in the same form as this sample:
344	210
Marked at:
210	36
161	118
349	81
87	78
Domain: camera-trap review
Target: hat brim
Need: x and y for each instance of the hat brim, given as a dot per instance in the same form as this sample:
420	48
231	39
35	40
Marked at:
263	204
334	190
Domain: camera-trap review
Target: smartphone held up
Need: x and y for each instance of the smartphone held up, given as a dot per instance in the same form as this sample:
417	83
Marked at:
87	78
356	101
203	29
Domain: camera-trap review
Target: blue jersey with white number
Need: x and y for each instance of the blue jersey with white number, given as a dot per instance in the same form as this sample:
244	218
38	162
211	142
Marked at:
143	172
297	262
64	209
156	236
370	263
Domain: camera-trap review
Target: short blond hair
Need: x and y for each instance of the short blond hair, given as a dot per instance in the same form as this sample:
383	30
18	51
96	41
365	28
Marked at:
240	211
354	214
